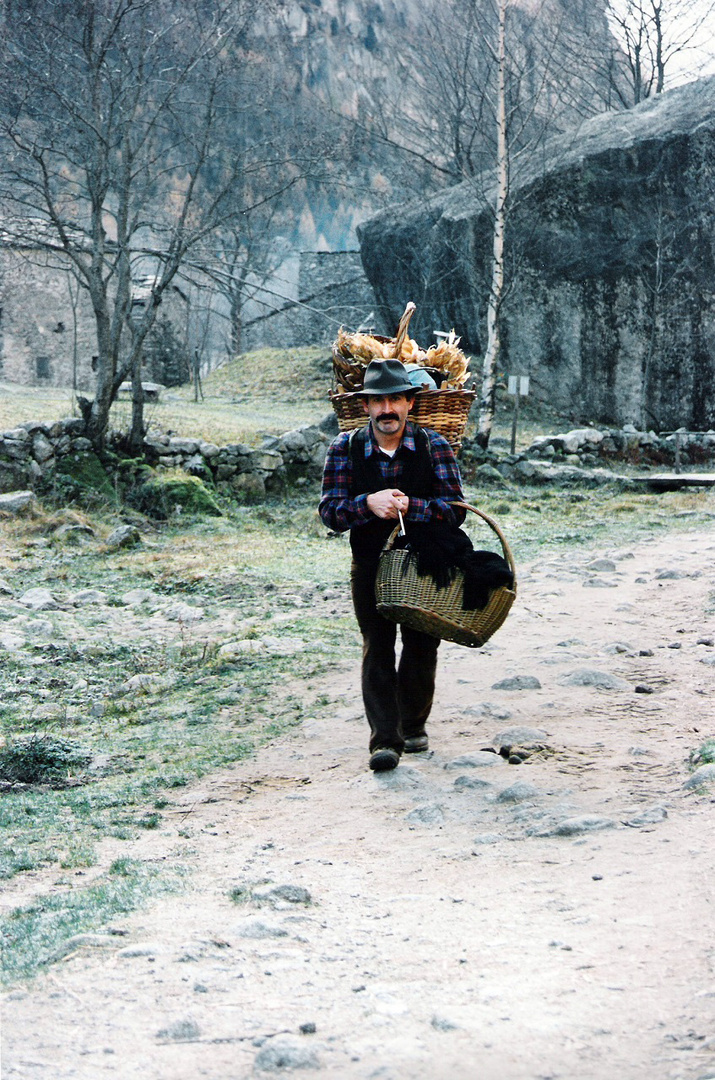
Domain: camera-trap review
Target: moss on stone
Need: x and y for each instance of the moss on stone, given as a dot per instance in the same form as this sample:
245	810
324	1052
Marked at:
162	495
86	471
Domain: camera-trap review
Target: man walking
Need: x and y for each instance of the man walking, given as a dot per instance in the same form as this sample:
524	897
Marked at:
387	468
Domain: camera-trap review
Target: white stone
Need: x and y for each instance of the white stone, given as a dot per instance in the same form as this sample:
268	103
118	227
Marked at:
89	596
15	501
147	681
39	600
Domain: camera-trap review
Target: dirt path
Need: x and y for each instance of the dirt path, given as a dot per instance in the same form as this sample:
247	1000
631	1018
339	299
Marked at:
467	918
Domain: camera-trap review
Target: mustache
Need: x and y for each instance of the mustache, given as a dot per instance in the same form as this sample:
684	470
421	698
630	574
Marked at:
388	416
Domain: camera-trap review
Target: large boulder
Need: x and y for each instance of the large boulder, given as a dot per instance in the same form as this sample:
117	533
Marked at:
612	311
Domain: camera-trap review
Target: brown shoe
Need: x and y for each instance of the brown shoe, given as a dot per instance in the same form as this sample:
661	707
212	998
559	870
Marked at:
417	744
384	759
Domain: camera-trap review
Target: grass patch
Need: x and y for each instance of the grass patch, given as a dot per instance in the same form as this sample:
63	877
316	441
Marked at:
35	936
704	755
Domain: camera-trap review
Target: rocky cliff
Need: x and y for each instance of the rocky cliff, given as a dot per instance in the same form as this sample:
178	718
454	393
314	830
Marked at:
611	238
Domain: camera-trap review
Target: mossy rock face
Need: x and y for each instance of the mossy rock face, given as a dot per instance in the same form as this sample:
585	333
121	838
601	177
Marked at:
164	495
86	473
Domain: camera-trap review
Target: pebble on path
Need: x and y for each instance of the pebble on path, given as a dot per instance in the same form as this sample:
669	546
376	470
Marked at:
520	736
479	759
576	825
704	775
280	1055
600	680
518	682
518	792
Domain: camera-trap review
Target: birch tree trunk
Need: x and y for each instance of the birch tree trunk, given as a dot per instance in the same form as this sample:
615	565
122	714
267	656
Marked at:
496	289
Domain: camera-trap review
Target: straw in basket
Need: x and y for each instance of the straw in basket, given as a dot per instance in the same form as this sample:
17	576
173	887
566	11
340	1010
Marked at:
413	600
445	411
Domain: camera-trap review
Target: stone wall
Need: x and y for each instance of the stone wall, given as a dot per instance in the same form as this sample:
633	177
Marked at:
31	452
611	309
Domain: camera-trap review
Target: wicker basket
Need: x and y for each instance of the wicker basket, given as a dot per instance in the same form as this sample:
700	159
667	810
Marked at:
445	411
405	597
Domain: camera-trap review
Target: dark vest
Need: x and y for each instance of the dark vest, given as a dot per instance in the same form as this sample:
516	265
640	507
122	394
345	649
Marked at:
416	479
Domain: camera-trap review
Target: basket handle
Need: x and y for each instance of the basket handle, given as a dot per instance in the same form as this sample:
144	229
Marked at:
390	542
493	525
402	328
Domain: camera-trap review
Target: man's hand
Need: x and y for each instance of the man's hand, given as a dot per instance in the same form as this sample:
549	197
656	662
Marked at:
386	503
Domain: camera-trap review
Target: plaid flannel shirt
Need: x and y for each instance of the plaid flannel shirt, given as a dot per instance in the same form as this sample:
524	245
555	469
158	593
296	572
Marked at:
339	511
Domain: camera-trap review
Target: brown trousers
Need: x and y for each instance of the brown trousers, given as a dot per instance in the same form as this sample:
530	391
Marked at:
398	699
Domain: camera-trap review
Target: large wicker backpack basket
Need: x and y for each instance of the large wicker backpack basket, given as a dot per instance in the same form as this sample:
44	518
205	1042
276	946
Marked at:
446	411
413	600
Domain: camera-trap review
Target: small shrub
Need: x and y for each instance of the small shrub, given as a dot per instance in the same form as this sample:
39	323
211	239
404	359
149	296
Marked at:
42	759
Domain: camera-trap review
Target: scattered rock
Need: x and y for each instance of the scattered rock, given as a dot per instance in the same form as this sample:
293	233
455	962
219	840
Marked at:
258	929
14	502
136	952
405	778
39	600
600	680
7	590
477	760
286	894
599	583
183	613
486	708
441	1023
462	783
618	648
180	1031
529	737
518	792
87	597
11	642
280	1055
710	642
73	534
518	682
486	838
147	682
234	650
138	596
602	566
704	775
644	688
576	825
647	817
123	536
432	814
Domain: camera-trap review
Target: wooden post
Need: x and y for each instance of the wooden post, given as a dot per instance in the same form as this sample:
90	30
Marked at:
515	421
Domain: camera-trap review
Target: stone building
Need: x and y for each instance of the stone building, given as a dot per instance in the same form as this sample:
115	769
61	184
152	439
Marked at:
47	330
611	262
333	291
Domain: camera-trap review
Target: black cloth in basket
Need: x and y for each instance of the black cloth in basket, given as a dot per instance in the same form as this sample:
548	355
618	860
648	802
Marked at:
437	607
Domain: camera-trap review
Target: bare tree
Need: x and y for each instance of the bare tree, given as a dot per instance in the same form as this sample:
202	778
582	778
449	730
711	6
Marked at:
655	37
116	127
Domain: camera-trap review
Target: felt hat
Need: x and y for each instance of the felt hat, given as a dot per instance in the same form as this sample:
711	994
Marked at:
385	377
